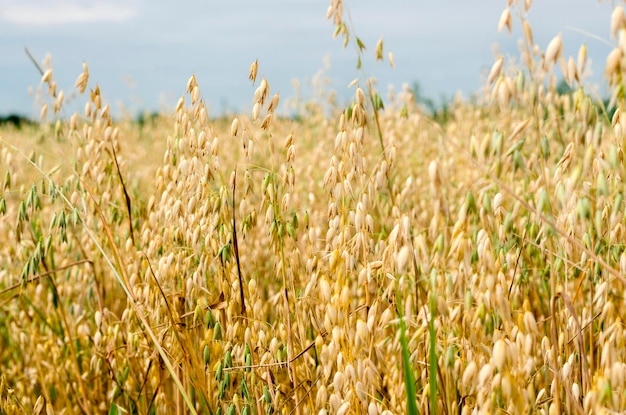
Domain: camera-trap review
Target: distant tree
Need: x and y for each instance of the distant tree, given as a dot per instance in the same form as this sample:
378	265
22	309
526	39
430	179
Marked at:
420	99
601	105
563	88
14	120
440	113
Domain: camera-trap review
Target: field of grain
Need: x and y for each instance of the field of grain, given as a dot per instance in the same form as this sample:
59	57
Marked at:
371	258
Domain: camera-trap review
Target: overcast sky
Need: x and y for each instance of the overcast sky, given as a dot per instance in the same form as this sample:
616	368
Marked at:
141	52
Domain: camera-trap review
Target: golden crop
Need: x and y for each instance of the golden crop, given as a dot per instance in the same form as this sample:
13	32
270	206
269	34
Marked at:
369	259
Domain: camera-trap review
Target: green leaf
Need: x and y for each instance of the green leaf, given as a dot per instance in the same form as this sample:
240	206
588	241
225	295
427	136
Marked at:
266	395
244	390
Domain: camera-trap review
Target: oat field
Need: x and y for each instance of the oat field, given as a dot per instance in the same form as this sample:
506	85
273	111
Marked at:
371	258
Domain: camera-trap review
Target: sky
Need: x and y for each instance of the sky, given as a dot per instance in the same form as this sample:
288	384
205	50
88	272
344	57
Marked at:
141	53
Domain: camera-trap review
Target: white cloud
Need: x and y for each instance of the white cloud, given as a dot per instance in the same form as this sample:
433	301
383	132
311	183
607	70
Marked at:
42	13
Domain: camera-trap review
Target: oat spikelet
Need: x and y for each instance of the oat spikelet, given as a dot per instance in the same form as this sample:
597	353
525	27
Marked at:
612	62
273	103
553	51
498	355
505	21
191	83
571	73
44	112
617	20
335	11
495	70
528	33
469	374
379	50
402	258
253	71
58	103
527	5
582	59
502	91
234	127
256	111
83	78
47	76
262	92
519	128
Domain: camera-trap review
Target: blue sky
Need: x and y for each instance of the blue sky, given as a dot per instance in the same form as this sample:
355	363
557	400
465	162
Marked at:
141	52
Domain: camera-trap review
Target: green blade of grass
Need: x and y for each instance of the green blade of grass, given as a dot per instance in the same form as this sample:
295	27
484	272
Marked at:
409	378
432	352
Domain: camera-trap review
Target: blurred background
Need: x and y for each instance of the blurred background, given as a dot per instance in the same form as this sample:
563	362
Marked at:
141	52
